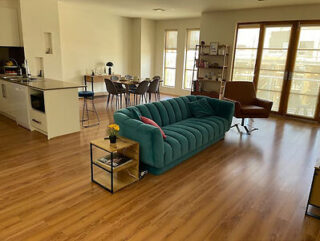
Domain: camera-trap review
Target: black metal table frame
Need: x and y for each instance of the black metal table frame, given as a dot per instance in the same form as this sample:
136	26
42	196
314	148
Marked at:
92	163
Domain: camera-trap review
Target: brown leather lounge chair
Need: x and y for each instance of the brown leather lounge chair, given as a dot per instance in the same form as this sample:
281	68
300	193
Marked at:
247	105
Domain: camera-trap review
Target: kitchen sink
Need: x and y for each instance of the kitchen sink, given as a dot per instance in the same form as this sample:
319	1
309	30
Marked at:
20	79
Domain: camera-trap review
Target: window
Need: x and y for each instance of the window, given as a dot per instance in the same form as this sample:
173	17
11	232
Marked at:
170	57
273	64
193	37
246	53
283	60
305	85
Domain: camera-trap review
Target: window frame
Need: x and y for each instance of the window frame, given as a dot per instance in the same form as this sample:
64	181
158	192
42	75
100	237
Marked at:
239	26
185	57
165	56
290	63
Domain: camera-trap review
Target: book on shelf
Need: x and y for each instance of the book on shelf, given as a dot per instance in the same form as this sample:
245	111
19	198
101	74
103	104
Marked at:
118	160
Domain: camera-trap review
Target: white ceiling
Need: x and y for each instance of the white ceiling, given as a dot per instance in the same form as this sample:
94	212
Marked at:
185	8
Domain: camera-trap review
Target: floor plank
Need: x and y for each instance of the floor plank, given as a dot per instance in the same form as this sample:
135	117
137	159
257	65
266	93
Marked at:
242	188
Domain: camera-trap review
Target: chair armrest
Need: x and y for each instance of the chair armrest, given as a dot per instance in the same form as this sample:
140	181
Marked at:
149	137
263	103
237	106
223	108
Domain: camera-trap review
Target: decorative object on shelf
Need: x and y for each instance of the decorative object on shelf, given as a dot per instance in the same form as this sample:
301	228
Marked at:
113	130
214	48
222	50
109	64
11	67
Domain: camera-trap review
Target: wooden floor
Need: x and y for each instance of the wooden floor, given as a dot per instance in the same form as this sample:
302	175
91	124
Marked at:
243	188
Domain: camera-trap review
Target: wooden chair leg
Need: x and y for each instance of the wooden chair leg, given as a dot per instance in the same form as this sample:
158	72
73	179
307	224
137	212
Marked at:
117	102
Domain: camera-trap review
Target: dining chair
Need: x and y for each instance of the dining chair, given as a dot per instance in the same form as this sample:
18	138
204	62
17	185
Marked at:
119	86
113	91
153	89
158	90
128	77
140	92
131	87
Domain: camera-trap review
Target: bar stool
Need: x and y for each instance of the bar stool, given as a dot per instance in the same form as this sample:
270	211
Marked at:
88	95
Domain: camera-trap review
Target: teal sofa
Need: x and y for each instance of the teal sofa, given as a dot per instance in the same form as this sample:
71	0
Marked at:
186	135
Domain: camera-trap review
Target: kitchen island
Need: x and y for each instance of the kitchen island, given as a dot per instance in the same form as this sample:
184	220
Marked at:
44	105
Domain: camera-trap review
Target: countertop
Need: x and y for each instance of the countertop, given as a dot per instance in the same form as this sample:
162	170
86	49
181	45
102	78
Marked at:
42	83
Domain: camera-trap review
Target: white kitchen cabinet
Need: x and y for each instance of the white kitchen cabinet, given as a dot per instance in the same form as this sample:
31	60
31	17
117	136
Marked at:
60	99
19	97
11	100
9	25
1	97
5	103
14	102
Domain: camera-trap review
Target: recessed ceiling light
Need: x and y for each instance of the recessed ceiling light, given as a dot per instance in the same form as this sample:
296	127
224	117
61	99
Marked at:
260	0
158	10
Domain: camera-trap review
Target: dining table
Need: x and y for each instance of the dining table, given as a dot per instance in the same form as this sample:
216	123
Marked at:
97	78
127	84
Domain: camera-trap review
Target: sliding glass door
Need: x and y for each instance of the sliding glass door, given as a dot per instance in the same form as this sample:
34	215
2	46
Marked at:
305	80
273	64
283	61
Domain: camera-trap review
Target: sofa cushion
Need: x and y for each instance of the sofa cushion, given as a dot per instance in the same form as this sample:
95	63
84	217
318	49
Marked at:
190	134
151	122
200	108
135	113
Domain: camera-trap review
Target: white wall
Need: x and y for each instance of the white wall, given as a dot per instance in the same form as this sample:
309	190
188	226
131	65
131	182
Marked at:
38	17
221	26
90	37
181	25
143	40
136	47
148	39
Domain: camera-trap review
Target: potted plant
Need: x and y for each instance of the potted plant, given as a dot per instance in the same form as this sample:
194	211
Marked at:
112	131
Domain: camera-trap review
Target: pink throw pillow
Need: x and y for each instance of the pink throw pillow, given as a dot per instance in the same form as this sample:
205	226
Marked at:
151	122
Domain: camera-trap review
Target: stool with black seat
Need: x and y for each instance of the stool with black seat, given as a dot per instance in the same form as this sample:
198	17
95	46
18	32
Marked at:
88	95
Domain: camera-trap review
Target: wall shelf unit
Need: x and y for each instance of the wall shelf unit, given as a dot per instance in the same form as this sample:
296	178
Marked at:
209	71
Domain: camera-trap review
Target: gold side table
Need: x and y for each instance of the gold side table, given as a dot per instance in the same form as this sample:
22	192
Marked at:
112	177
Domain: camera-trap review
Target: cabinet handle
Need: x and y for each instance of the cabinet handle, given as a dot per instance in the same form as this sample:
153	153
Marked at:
4	92
38	122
